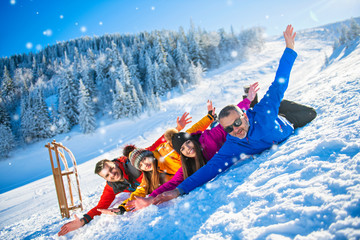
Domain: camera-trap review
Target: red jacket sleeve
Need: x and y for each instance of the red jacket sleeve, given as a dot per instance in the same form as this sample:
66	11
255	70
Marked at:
106	199
156	144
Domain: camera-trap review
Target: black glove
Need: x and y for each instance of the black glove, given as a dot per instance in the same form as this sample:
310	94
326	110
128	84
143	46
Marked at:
122	211
213	115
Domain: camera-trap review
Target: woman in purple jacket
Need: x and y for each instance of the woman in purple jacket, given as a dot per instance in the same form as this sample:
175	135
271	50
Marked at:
195	150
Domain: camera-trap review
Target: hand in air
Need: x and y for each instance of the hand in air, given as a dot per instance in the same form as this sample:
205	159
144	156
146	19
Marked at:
139	203
166	196
289	37
210	107
181	123
254	88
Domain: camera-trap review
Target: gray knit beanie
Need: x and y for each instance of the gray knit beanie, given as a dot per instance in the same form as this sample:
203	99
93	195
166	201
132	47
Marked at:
137	155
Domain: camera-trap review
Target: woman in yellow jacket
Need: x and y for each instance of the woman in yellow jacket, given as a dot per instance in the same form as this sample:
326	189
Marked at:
161	157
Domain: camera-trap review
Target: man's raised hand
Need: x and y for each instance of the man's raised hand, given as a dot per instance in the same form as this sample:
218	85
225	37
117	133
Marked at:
289	37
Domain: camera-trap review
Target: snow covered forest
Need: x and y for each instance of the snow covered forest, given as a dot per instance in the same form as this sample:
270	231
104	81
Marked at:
304	188
76	82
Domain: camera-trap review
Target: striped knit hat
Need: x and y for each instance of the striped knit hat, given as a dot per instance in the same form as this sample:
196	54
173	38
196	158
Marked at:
137	155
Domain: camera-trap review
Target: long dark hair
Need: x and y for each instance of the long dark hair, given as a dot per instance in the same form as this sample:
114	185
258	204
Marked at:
152	178
191	165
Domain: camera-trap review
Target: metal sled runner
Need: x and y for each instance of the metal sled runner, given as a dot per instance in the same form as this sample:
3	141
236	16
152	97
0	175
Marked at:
64	191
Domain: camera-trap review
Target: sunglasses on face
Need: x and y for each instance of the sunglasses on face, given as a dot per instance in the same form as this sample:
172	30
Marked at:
237	123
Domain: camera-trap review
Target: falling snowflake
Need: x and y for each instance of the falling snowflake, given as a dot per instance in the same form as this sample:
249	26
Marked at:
16	117
234	54
186	205
281	80
53	128
268	111
61	16
29	45
12	2
47	32
38	47
83	29
102	131
153	8
100	23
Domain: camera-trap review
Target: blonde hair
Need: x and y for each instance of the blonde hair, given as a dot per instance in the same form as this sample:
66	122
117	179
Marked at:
169	134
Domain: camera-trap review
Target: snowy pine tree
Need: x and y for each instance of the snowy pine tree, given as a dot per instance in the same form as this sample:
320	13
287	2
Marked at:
86	111
8	91
41	114
4	116
119	103
68	95
7	142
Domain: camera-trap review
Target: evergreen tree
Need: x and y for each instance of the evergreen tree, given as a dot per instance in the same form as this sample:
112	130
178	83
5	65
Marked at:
163	71
42	125
120	107
68	95
354	29
4	116
8	91
7	142
27	120
86	108
344	34
149	85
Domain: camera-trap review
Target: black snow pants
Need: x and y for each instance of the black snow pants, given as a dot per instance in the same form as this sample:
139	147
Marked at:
297	114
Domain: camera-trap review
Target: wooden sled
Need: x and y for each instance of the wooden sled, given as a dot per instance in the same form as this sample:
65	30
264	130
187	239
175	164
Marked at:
64	191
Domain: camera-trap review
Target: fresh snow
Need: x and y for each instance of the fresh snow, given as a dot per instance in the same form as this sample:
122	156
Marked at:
305	188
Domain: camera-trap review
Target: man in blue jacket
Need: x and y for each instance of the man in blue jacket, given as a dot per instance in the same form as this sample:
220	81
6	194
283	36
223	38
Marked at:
254	131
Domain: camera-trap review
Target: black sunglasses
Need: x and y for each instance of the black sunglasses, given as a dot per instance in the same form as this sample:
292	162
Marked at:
237	123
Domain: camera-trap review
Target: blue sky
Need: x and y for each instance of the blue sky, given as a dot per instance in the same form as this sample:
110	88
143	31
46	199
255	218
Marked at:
29	25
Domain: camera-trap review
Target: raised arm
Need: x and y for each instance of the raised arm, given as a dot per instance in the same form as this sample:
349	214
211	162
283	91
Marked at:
245	103
181	123
270	103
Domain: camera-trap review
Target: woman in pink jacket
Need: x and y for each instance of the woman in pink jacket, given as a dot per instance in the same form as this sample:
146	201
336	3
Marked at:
195	150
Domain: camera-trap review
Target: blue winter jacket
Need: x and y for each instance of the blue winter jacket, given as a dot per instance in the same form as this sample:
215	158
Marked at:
266	128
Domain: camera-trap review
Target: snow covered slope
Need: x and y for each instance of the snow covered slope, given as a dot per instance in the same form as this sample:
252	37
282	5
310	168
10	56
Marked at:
305	188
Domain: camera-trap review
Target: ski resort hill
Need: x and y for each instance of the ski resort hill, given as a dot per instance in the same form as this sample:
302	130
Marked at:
308	187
